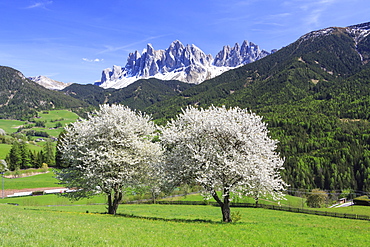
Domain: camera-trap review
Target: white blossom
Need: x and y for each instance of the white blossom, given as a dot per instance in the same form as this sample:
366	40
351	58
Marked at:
226	150
108	152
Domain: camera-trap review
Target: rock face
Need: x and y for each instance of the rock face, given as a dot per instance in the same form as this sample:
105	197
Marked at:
178	62
239	55
49	83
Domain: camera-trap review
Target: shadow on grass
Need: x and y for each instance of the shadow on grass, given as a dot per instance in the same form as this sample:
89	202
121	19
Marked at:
144	217
170	220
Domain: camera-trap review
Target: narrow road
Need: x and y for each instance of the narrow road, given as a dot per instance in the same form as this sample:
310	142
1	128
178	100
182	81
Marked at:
12	191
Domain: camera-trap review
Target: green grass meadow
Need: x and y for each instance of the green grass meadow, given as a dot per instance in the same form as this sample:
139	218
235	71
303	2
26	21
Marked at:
52	200
5	148
52	220
169	225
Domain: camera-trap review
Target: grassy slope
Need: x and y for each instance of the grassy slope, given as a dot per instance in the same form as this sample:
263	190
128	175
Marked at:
72	226
292	201
67	116
52	199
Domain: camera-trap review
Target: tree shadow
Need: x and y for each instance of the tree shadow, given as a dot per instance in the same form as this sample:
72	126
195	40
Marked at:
169	220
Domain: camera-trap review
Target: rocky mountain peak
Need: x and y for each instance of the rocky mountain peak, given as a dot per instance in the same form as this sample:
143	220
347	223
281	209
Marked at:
239	55
48	82
149	49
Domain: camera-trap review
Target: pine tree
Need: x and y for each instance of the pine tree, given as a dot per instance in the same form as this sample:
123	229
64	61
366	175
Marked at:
49	153
14	158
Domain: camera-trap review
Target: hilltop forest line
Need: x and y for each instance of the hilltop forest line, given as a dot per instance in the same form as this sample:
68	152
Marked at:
314	94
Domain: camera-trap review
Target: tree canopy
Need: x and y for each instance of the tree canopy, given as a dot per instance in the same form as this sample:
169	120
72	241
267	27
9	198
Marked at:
110	151
226	150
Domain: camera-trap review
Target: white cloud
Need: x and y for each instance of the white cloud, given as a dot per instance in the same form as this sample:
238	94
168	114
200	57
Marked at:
317	10
96	60
41	4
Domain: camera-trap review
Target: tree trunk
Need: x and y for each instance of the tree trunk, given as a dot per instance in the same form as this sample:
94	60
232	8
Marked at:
113	201
225	206
154	196
256	199
226	216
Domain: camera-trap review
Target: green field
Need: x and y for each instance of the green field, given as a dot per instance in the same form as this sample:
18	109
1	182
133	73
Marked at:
52	199
36	181
42	221
52	118
67	115
10	126
4	150
168	225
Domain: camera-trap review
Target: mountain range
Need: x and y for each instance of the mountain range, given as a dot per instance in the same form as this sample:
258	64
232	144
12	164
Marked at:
178	62
314	94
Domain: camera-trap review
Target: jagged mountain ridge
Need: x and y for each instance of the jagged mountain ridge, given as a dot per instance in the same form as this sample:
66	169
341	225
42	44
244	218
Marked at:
178	62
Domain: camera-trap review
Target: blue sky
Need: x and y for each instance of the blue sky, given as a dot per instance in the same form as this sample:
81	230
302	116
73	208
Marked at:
74	40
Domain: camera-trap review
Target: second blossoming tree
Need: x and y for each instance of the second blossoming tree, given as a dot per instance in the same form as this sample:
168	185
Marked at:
225	150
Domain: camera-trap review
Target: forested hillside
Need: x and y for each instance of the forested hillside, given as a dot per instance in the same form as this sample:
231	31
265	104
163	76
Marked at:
20	97
138	95
315	96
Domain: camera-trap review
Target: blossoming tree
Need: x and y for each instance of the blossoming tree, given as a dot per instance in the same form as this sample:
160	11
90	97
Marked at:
225	150
108	152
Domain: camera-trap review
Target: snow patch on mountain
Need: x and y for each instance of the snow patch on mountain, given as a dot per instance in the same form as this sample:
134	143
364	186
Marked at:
318	33
49	83
178	62
359	32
